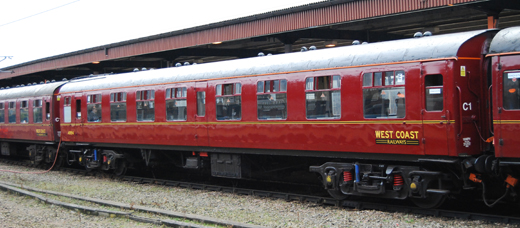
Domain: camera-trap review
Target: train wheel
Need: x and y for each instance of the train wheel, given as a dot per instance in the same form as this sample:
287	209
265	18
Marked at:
431	201
121	168
336	194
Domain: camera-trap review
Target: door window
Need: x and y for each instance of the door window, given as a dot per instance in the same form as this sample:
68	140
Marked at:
511	94
434	90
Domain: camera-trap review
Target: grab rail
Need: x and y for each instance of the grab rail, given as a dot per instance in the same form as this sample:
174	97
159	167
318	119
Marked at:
460	111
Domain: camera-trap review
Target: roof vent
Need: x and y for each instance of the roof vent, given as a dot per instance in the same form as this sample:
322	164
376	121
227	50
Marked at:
303	49
186	63
64	79
7	87
364	42
178	64
34	83
194	64
312	48
41	82
417	35
356	42
53	80
261	54
136	69
1	87
427	33
22	85
143	69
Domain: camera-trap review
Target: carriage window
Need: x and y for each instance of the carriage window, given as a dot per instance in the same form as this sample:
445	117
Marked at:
78	108
145	105
201	103
118	107
47	110
24	112
94	108
511	90
228	99
67	114
2	113
384	94
433	88
367	79
176	103
272	99
12	112
323	97
37	111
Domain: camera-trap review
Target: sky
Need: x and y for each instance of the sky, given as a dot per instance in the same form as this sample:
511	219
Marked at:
35	29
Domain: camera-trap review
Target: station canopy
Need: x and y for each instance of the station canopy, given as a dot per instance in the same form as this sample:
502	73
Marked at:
322	24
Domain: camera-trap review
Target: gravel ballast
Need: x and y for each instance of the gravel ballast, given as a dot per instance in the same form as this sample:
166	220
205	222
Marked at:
18	211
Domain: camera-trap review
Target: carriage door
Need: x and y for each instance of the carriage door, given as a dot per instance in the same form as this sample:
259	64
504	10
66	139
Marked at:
508	88
201	115
77	118
434	116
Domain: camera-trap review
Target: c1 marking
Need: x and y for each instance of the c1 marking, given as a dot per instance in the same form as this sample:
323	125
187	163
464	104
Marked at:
466	106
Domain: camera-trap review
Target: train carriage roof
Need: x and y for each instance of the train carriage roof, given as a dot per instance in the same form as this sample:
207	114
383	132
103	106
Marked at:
424	48
30	91
507	40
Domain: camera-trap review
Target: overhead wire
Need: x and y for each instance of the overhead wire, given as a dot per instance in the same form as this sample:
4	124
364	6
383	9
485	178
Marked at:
39	13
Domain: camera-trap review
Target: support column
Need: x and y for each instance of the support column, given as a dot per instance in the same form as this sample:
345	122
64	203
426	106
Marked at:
492	21
288	48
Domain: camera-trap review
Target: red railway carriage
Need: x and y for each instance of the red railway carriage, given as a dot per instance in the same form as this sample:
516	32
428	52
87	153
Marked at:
505	68
29	121
414	100
349	99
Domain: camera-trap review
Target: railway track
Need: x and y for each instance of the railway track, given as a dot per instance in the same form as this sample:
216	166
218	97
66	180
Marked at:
191	220
492	216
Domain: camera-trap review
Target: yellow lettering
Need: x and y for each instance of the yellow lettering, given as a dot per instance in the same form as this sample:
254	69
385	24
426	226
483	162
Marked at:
378	134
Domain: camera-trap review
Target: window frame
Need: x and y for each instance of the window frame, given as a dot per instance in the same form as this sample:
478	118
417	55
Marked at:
94	101
119	98
175	94
67	105
220	93
24	109
34	107
270	91
381	84
505	91
9	108
150	98
315	88
427	90
2	111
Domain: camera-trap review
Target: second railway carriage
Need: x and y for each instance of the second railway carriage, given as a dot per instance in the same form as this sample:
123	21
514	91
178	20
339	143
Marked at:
390	119
29	121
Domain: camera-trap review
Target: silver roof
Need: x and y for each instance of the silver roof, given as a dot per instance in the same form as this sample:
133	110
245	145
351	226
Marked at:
432	47
30	91
507	40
